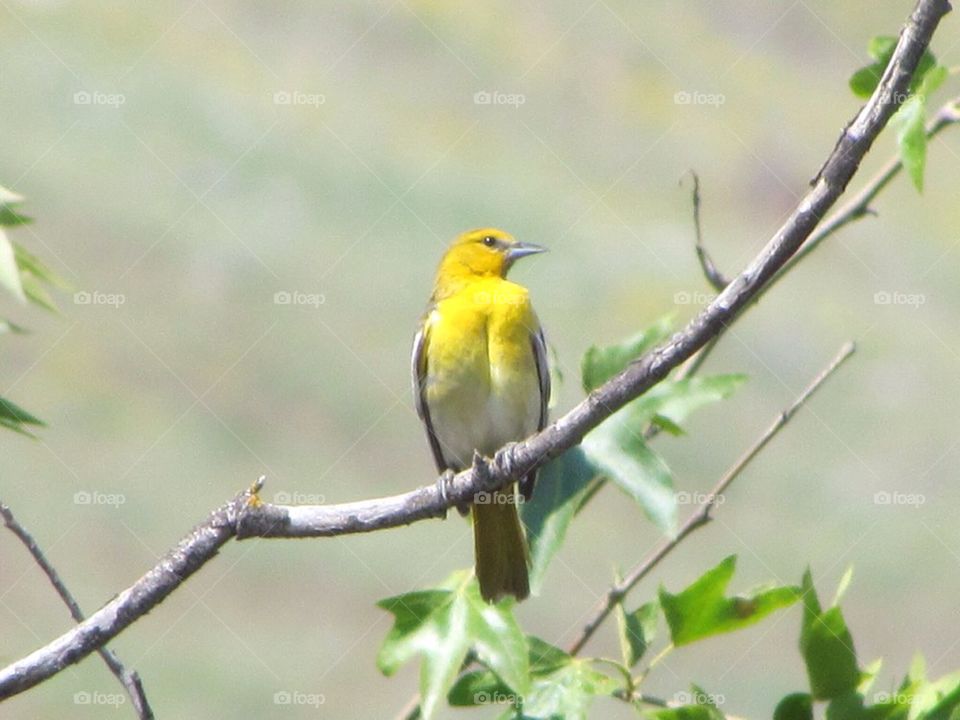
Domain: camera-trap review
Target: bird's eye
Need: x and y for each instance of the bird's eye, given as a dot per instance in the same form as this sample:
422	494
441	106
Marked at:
489	241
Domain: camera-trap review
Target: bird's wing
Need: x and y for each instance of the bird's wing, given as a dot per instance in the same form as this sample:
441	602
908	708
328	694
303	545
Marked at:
539	345
543	375
418	366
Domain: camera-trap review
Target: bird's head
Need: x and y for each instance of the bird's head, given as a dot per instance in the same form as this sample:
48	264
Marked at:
486	252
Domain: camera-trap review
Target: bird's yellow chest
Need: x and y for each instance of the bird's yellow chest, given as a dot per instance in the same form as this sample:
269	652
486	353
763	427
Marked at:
482	387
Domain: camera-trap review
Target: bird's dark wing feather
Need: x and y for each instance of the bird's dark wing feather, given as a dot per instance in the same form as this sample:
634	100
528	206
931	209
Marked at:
539	345
418	366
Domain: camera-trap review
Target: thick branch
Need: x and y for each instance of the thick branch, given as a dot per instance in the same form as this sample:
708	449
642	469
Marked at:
240	518
130	679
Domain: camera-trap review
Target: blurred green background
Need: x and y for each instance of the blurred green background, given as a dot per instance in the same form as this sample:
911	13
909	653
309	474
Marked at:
196	159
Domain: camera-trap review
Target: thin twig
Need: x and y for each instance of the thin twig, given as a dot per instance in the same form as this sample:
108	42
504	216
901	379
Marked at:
242	518
854	209
701	516
130	679
716	279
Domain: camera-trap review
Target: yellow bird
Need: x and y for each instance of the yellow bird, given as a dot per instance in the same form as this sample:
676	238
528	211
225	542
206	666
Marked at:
480	381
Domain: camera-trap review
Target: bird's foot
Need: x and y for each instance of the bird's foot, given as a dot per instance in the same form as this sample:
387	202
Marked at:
443	484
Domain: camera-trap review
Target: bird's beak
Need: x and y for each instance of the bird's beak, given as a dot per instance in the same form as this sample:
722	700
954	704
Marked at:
519	250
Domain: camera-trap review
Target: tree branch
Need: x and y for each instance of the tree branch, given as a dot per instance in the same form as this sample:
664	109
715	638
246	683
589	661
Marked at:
129	679
855	208
701	516
244	518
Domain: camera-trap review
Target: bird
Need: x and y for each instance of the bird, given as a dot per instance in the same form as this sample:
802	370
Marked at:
481	381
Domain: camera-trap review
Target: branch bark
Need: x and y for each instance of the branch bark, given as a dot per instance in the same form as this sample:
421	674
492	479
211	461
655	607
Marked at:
130	679
245	517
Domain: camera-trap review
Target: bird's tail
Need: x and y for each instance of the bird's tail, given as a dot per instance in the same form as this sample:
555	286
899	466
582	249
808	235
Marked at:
500	547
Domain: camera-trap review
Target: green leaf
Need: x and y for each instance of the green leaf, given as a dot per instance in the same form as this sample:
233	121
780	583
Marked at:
675	400
929	700
688	712
9	272
441	626
667	425
29	263
881	47
10	327
827	647
910	122
37	293
561	486
702	609
637	630
9	217
865	80
479	687
9	197
618	450
15	418
602	363
842	586
562	686
544	657
567	692
797	706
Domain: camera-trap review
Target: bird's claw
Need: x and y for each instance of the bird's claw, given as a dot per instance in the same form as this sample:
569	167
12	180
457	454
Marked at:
443	483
